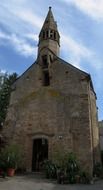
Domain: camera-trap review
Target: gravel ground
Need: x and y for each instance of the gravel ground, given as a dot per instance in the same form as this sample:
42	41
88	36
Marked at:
32	182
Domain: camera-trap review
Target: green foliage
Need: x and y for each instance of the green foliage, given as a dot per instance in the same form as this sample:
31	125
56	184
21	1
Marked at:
66	169
60	159
98	170
11	157
50	169
3	164
72	167
85	178
5	90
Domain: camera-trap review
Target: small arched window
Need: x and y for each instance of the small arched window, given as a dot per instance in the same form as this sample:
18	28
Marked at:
46	78
51	34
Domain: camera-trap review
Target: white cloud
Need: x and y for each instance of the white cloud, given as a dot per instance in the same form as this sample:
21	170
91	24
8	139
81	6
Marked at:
19	14
32	36
2	72
74	50
28	16
93	8
79	55
20	21
3	35
20	45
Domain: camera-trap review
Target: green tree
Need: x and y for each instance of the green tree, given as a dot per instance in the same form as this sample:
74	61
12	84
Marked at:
6	81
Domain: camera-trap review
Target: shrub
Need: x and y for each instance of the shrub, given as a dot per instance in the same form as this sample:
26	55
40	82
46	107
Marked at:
11	157
66	169
85	178
98	170
50	169
72	167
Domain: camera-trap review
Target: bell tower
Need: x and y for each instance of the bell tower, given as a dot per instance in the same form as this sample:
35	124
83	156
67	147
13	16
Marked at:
49	38
48	47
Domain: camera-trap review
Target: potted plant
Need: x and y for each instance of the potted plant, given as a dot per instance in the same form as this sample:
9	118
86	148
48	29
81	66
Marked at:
12	157
11	165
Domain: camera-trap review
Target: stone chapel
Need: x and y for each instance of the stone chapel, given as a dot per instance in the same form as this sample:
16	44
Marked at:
53	107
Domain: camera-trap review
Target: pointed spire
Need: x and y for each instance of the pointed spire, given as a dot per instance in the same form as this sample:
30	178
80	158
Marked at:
49	36
49	21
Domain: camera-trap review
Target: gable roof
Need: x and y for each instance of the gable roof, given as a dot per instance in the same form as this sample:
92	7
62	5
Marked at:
87	76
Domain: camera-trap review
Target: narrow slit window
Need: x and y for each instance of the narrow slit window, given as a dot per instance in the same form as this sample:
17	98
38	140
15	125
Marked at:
44	61
51	34
46	78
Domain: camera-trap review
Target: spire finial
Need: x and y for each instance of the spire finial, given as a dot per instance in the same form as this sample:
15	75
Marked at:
50	8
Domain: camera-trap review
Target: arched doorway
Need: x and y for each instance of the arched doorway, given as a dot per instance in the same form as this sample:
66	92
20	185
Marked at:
40	153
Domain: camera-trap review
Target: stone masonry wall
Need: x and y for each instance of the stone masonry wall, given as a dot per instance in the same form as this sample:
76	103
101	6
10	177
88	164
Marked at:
94	127
61	109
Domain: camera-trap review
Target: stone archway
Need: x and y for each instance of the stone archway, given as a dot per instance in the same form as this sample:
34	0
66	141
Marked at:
39	153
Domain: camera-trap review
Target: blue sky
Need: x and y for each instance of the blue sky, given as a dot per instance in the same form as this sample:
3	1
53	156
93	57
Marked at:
80	23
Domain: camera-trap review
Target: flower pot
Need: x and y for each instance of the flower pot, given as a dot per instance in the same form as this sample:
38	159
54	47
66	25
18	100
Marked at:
10	172
77	179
